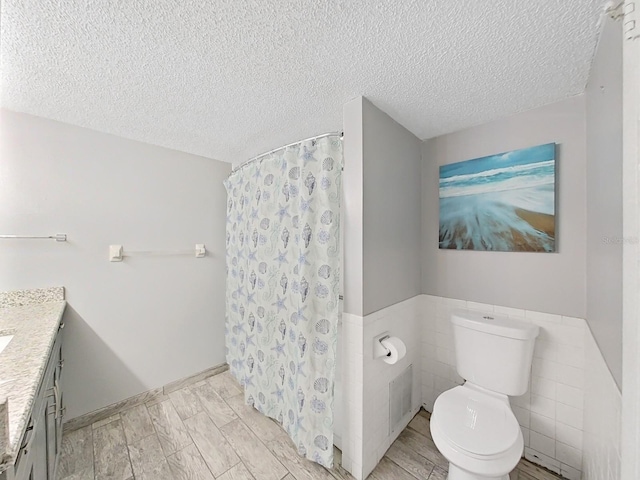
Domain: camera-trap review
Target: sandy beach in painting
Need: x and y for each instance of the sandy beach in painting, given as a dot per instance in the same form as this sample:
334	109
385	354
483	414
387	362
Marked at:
504	202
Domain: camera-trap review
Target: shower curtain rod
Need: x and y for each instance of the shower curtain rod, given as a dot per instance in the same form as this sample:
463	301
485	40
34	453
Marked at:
257	157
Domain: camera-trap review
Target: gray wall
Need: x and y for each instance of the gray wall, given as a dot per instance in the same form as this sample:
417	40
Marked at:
392	206
546	282
604	197
382	203
352	188
134	325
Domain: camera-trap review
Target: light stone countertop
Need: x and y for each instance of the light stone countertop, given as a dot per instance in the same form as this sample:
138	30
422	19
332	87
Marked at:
22	363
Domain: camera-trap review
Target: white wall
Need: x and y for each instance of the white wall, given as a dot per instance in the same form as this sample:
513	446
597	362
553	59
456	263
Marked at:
553	282
630	467
604	196
351	365
601	457
134	325
550	414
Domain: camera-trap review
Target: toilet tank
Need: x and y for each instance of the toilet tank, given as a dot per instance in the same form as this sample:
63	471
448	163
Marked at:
492	351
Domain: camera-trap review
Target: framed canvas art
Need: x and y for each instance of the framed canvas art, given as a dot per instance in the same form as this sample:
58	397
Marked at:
503	202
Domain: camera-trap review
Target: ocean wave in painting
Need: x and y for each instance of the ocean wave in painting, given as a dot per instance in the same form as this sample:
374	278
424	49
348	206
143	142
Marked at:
504	202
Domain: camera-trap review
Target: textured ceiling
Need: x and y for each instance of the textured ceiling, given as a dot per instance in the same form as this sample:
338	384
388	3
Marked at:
229	79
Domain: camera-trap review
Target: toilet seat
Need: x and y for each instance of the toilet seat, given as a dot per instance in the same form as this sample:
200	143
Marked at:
476	422
477	431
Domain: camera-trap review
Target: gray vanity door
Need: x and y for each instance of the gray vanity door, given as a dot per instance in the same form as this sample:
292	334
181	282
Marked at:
39	452
54	408
24	466
40	467
61	405
52	440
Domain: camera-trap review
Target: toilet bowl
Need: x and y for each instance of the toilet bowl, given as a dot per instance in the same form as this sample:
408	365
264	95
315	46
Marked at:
472	425
477	433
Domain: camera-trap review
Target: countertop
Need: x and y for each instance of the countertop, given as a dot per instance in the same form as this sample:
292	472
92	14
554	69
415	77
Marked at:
22	363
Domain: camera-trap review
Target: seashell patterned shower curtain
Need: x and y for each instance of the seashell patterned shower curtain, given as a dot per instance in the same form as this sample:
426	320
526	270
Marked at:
283	276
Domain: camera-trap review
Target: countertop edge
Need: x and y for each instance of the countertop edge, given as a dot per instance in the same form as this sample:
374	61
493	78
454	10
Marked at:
10	456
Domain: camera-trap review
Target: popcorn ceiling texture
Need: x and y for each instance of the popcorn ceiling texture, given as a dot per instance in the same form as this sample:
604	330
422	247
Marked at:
228	79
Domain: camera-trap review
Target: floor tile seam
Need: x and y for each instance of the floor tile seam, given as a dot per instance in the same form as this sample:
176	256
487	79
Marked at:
409	444
433	465
256	434
219	395
197	399
259	440
126	439
93	465
408	427
104	425
91	425
402	468
155	432
93	452
153	425
195	444
277	425
126	443
287	474
219	427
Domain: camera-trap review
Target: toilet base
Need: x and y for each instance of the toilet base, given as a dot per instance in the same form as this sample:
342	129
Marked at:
456	473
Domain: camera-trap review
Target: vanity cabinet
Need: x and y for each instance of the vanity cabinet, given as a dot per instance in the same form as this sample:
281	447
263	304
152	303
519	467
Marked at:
38	456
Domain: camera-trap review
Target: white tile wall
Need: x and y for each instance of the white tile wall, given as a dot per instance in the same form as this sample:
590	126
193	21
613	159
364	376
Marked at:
570	422
366	432
352	380
403	321
602	406
551	412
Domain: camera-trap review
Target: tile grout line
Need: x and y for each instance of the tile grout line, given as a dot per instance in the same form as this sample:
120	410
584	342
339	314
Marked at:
194	443
93	453
255	435
155	432
140	439
225	438
404	469
126	442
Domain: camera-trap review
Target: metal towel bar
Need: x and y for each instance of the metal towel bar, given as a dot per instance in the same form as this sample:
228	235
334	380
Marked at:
58	237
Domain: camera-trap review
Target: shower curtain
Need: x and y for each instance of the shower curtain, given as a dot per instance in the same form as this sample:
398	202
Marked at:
283	247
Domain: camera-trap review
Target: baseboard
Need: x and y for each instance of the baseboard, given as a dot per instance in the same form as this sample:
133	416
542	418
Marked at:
337	441
109	410
144	397
209	372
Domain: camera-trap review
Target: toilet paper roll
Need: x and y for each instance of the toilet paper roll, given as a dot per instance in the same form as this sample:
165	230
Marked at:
397	350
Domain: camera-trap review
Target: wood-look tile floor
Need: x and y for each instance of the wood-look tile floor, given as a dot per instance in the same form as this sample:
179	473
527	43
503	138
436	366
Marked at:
205	431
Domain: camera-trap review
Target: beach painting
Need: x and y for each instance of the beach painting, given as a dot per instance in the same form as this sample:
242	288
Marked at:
503	202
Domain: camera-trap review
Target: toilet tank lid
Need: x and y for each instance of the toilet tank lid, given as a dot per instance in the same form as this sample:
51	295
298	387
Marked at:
495	324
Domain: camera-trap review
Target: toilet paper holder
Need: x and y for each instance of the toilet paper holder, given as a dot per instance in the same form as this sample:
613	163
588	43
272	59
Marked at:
380	350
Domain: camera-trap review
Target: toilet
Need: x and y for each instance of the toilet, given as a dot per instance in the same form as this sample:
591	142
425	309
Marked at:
473	425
